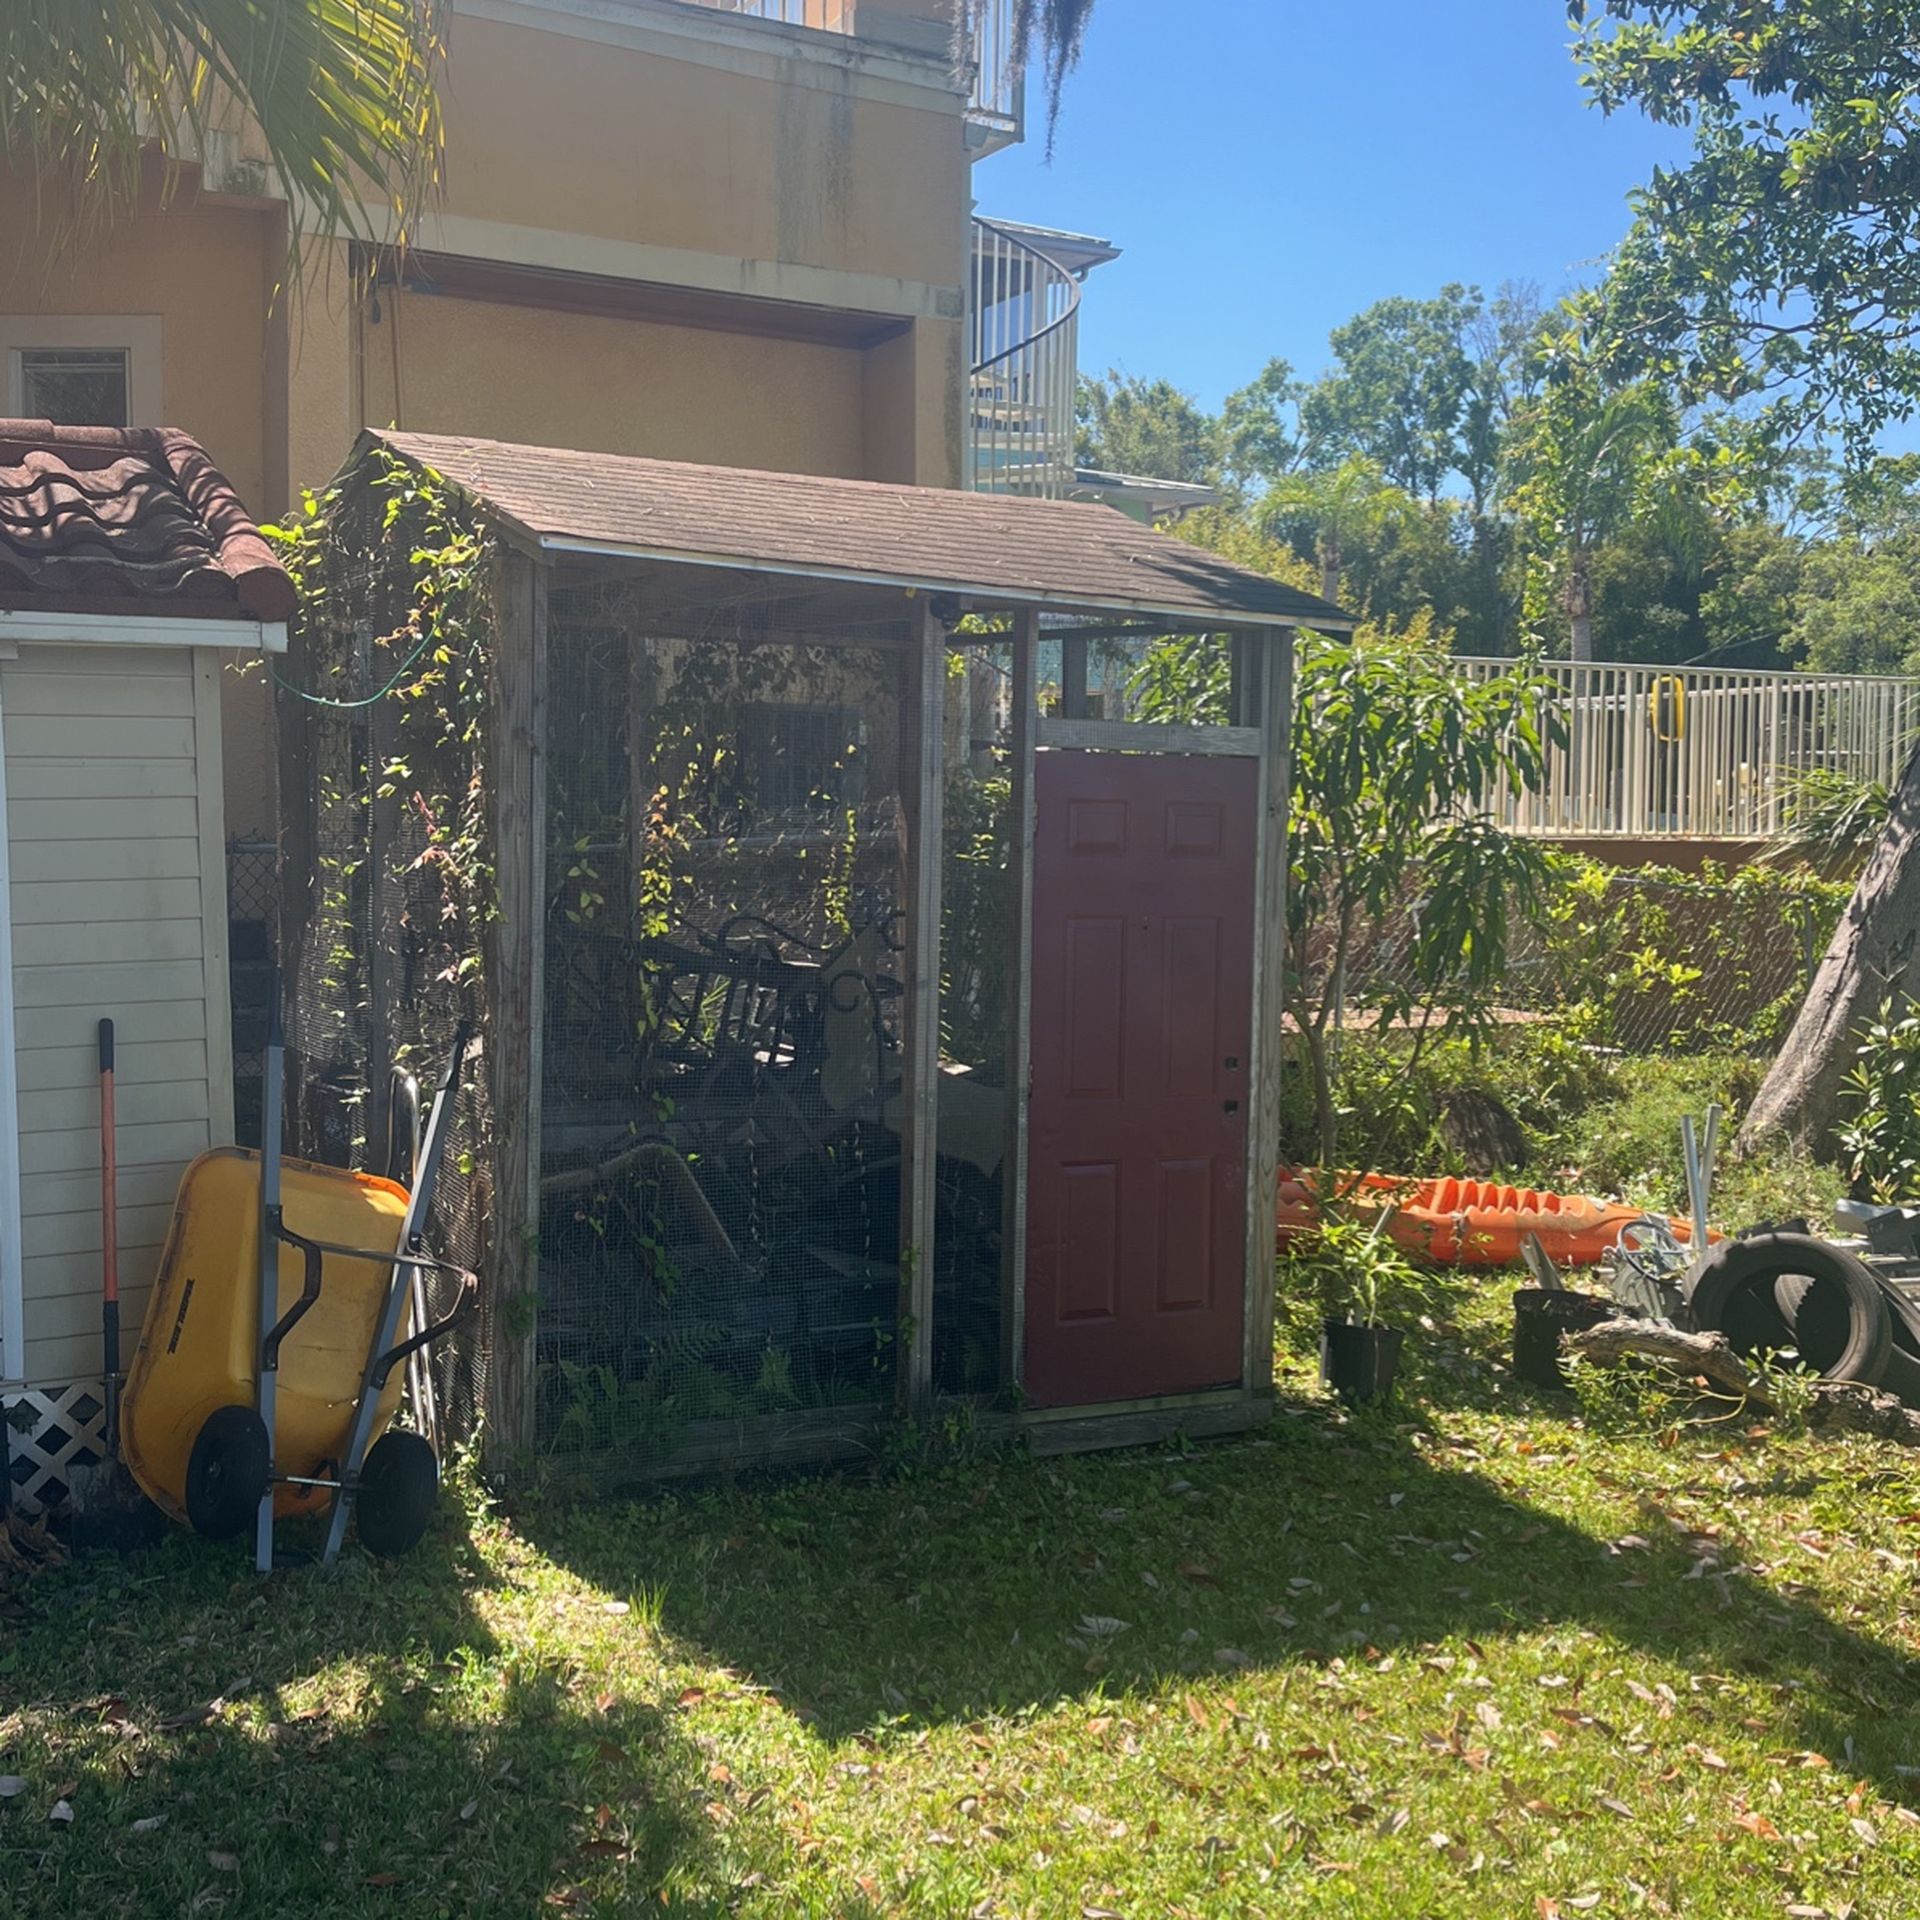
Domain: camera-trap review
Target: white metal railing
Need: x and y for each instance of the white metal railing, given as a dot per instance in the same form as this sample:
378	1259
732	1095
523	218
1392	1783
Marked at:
984	46
1025	364
1706	752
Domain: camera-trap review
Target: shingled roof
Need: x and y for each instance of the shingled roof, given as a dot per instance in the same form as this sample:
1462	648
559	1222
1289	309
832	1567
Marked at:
994	548
106	519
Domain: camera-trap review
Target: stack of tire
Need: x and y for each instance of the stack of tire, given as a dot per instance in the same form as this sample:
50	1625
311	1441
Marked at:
1775	1292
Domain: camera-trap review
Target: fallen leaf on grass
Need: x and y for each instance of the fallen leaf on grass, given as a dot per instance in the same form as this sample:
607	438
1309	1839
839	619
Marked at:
151	1824
692	1696
62	1811
1758	1825
193	1717
381	1880
224	1862
11	1785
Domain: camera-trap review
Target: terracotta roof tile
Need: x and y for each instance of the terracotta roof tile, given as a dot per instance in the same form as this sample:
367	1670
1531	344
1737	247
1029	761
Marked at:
1004	550
129	517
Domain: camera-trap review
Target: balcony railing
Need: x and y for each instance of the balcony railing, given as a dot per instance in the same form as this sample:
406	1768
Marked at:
1024	366
1704	753
985	50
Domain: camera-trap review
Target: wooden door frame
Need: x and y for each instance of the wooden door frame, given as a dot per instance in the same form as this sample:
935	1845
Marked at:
13	1306
1262	708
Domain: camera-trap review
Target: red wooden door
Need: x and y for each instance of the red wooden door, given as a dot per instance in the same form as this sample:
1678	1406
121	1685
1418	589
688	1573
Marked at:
1143	921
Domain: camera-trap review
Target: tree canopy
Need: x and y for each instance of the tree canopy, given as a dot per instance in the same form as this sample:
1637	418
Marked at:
1778	263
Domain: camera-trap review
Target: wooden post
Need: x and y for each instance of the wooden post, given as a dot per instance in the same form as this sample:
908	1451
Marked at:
512	1031
1073	677
927	684
1275	698
1013	1177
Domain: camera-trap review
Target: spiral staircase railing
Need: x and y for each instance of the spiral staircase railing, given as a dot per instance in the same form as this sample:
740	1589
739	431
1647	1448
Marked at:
1023	368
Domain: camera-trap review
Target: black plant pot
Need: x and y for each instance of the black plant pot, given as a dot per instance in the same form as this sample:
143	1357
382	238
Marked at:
1358	1362
1540	1317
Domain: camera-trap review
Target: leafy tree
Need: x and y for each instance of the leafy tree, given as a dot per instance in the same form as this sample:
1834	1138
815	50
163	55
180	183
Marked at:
1398	390
1261	434
1779	259
1857	609
1338	509
1130	425
1750	602
1594	461
1397	760
342	93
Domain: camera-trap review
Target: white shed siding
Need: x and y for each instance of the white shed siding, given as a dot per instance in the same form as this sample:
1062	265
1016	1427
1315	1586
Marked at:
118	902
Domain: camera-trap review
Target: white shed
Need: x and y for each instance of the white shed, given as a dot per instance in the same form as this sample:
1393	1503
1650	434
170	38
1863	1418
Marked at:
130	576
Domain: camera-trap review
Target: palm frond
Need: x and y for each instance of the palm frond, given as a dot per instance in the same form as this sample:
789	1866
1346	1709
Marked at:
342	94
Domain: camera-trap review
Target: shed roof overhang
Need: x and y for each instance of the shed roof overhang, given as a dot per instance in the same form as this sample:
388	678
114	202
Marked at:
989	552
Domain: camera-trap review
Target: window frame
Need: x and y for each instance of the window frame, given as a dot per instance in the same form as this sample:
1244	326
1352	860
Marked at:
135	335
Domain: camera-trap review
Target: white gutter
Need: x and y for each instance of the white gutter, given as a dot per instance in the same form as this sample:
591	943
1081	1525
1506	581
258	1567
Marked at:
142	630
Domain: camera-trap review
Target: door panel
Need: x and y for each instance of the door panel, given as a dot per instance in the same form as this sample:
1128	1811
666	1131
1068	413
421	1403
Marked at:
1143	924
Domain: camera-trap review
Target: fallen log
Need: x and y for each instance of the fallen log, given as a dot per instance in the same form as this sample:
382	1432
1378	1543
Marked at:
1833	1406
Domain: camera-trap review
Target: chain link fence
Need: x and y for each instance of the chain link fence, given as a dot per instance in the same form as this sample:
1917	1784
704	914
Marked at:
1641	962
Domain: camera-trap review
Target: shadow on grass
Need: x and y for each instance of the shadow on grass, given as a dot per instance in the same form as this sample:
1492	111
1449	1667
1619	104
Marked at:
431	1769
1010	1584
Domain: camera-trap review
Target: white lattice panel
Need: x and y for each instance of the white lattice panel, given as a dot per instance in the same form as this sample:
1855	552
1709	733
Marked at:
49	1430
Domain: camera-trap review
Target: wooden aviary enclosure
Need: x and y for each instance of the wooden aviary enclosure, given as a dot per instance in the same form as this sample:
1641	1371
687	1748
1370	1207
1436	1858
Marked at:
876	964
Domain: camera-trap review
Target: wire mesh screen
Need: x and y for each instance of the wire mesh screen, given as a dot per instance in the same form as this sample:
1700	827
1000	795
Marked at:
721	1166
253	926
1642	963
978	961
379	939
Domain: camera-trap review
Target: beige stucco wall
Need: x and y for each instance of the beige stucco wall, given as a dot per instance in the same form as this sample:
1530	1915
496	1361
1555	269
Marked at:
206	272
614	385
743	167
549	129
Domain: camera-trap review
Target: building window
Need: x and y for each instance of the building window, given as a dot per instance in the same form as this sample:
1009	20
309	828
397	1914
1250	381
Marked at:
75	386
83	369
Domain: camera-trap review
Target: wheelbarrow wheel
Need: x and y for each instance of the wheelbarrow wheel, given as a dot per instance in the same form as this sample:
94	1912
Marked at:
398	1488
227	1472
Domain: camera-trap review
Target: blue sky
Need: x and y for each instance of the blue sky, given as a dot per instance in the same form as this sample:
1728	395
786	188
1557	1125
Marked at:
1271	167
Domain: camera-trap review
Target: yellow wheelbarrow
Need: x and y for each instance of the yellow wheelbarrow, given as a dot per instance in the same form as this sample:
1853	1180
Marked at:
266	1373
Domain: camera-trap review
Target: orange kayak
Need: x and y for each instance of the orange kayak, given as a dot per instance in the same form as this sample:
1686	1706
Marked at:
1469	1223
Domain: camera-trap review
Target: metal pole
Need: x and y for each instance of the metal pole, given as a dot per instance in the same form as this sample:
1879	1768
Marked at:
266	1366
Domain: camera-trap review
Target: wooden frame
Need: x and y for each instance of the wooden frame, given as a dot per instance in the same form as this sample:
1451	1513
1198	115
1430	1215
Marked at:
1270	690
927	685
1262	705
519	799
213	889
13	1305
1025	697
1145	736
514	955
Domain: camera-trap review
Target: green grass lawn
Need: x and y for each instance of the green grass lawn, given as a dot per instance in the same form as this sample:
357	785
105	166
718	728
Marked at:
1469	1660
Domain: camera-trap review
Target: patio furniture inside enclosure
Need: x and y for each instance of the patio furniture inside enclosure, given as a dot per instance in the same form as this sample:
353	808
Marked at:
749	762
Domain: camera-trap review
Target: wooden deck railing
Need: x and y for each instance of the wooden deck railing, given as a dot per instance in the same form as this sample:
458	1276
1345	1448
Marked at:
1704	753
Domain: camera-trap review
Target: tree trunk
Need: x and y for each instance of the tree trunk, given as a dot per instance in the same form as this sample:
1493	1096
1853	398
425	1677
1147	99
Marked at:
1326	1114
1875	952
1330	559
1578	600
